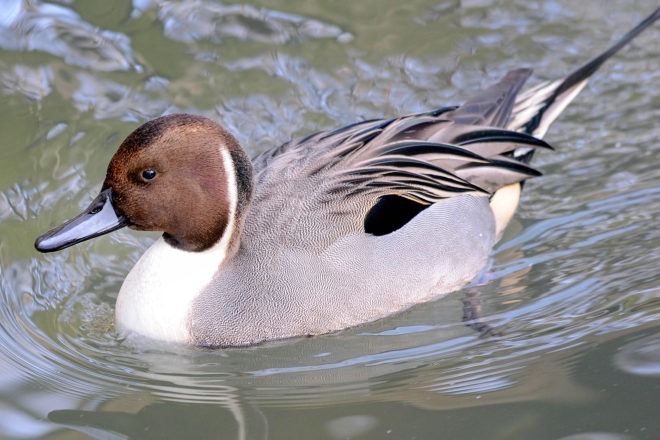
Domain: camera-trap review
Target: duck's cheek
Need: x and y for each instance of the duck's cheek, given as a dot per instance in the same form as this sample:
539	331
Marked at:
142	222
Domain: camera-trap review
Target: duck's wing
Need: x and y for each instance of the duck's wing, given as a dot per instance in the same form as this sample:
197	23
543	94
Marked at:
424	158
484	143
411	162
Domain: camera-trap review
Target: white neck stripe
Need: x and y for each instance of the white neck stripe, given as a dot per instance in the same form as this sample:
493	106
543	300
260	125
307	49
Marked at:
232	193
157	296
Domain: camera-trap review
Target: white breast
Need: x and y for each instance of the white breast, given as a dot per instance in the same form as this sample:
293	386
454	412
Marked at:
157	295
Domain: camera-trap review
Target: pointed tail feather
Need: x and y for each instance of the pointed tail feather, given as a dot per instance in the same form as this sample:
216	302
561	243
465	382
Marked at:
536	108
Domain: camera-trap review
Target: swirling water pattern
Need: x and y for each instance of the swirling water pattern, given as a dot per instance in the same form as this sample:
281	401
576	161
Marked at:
572	287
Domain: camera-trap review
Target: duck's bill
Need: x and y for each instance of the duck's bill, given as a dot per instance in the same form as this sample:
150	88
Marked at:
99	218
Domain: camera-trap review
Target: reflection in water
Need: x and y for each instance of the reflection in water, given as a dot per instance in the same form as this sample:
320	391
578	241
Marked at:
572	286
641	357
125	419
598	436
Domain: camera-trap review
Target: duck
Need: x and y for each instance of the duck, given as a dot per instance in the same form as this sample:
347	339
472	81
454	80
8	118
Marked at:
325	232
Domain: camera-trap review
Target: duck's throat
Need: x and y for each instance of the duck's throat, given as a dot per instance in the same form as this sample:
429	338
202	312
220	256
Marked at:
158	293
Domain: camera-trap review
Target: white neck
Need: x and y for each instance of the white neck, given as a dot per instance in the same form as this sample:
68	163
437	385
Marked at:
157	295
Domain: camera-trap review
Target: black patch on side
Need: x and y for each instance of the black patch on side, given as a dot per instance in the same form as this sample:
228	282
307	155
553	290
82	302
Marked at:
391	213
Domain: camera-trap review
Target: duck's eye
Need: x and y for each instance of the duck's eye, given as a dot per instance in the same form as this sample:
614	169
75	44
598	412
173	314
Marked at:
148	174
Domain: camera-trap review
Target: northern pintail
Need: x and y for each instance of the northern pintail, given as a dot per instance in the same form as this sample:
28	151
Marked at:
322	233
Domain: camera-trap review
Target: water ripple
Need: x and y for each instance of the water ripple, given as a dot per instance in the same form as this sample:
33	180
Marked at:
61	32
577	269
206	20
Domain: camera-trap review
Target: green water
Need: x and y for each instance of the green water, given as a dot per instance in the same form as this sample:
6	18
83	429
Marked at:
573	285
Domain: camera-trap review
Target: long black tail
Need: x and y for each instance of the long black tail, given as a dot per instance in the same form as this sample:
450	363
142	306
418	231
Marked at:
535	109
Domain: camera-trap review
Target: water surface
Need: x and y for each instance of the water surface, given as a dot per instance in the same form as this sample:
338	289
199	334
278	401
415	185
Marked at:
573	286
